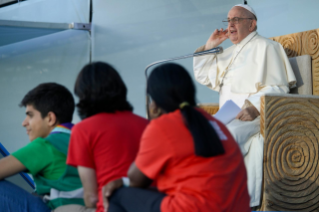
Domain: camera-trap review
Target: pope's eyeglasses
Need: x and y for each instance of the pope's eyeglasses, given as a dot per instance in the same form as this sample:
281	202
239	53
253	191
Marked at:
233	20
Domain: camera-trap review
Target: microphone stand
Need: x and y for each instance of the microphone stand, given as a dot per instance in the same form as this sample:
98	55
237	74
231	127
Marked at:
217	50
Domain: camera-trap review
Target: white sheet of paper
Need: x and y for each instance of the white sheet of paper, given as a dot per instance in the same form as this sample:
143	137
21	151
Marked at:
228	112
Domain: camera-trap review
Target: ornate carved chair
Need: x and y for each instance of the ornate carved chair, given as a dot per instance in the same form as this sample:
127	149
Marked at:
290	127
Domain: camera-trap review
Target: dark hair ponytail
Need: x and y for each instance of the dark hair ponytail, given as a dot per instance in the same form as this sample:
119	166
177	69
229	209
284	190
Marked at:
172	88
206	140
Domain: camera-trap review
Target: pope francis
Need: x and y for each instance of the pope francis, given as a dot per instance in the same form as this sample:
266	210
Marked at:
244	72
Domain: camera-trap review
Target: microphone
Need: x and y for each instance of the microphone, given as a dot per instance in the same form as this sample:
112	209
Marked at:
217	50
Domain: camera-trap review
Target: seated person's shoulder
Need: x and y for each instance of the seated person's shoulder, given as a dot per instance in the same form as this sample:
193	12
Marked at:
107	121
267	43
169	121
37	147
38	142
140	119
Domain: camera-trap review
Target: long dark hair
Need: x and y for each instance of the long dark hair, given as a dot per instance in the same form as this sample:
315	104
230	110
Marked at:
170	85
100	89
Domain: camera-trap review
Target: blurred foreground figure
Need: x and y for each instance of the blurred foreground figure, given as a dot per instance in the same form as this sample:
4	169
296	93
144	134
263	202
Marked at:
191	156
106	141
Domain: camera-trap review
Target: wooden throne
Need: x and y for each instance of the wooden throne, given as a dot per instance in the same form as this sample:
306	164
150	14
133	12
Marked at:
290	126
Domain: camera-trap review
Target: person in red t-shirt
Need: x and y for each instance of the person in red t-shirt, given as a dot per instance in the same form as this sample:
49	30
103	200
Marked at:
196	163
105	143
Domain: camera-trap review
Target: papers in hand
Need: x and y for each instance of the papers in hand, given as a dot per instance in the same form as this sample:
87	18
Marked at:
228	112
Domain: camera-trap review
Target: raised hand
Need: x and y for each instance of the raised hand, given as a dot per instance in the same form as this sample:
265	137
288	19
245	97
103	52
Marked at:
216	38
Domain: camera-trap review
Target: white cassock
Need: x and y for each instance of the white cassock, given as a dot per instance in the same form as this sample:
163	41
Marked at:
243	73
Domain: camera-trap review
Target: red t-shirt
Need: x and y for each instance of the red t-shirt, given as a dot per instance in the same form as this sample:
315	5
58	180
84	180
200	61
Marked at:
108	143
192	183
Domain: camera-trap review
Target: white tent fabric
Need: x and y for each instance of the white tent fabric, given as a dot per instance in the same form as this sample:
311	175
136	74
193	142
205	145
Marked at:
56	57
132	34
52	11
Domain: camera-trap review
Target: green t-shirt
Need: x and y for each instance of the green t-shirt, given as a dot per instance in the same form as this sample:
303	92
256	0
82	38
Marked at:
41	157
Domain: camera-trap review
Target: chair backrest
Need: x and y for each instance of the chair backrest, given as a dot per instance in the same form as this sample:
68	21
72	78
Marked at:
303	43
301	66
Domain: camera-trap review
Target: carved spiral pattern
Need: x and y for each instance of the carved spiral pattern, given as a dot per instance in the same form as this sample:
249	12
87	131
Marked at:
291	43
303	43
311	43
291	160
311	47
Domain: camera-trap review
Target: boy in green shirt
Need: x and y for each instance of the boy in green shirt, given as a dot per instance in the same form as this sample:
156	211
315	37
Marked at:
49	111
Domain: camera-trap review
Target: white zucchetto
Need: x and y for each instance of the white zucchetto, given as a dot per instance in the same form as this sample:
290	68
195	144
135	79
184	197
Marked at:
247	7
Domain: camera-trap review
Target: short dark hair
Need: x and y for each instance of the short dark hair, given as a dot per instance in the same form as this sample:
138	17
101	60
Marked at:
100	89
170	85
51	97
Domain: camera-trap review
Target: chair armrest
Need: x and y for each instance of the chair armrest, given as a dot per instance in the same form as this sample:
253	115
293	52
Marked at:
290	127
210	108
